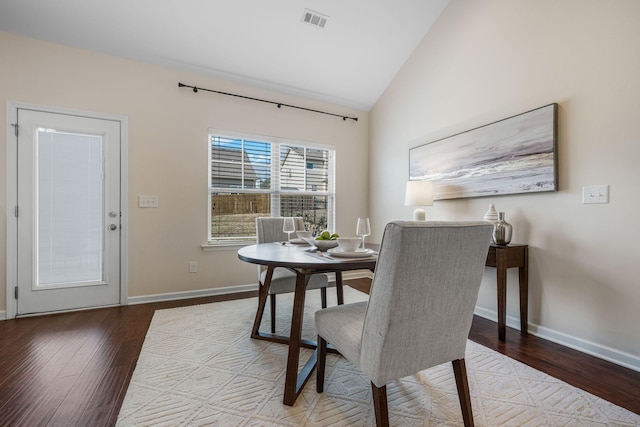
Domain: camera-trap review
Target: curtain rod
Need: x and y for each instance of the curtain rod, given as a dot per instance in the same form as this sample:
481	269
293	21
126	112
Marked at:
279	104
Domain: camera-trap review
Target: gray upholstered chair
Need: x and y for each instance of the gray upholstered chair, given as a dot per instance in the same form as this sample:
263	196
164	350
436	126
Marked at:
419	311
269	229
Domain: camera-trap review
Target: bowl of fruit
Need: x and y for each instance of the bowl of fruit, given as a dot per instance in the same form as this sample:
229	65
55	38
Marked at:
323	241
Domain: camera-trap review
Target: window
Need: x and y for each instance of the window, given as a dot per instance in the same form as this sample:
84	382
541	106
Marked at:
250	177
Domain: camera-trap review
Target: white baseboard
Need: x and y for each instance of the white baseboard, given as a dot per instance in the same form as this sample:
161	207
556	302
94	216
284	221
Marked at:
609	354
171	296
3	315
358	274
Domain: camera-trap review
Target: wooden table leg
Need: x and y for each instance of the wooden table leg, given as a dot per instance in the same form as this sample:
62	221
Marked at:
263	293
501	275
291	385
523	276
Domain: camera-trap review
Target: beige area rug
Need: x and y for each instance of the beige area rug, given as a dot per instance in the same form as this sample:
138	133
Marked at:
198	367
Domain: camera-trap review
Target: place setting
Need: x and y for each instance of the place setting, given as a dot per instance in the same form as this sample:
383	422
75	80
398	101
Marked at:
331	245
353	247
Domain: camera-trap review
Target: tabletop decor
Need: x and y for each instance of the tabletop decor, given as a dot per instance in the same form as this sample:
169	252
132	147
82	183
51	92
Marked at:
350	244
502	231
288	227
514	155
363	229
491	215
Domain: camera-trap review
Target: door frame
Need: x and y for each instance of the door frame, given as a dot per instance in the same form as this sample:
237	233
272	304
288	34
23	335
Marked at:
12	196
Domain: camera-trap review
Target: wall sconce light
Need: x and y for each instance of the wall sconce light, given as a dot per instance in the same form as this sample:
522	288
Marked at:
419	193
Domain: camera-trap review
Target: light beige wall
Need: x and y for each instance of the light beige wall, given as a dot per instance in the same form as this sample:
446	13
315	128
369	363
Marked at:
168	151
487	60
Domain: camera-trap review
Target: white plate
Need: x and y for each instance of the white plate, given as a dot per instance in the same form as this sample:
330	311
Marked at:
298	242
360	253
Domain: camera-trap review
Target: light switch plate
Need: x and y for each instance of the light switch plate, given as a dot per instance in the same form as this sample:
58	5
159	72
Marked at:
595	194
147	201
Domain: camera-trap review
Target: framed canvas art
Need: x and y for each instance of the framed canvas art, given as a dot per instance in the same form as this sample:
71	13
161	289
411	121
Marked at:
510	156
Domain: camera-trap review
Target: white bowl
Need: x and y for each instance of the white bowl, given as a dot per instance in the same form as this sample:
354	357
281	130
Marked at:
303	234
349	244
323	245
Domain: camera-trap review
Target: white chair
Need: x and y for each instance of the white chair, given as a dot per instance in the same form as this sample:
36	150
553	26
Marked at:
419	311
269	229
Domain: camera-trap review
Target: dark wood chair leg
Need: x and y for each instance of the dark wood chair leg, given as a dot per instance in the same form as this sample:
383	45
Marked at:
339	291
323	297
380	405
460	372
272	300
322	359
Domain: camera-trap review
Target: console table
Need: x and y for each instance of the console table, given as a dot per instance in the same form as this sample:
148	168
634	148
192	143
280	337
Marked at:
503	257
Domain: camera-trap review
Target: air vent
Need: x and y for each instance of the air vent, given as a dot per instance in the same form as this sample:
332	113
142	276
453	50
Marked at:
314	18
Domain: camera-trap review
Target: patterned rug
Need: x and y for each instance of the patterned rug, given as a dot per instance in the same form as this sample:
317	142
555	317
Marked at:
198	367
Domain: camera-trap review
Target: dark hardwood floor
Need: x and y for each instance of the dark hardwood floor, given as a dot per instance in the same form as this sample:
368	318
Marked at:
73	369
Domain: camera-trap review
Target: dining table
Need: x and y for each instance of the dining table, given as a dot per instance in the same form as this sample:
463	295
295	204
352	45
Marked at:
304	261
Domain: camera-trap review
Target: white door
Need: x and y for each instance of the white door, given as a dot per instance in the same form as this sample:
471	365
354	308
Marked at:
68	212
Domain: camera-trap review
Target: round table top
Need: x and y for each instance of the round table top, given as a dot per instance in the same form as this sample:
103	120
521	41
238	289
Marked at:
301	257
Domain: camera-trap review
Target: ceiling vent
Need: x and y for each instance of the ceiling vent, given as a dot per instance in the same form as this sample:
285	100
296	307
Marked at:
314	18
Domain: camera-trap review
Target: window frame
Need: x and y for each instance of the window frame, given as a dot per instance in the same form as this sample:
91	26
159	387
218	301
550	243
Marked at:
275	191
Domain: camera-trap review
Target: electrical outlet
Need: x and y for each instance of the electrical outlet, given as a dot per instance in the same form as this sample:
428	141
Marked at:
147	201
193	267
595	194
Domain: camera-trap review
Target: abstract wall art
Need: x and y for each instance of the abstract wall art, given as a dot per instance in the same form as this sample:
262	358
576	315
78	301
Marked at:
510	156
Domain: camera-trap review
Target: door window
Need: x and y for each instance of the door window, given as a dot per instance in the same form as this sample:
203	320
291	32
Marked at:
69	207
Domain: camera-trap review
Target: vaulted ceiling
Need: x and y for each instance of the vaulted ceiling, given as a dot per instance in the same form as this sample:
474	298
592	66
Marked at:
263	43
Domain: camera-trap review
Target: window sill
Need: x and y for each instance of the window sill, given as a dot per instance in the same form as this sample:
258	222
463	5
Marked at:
224	246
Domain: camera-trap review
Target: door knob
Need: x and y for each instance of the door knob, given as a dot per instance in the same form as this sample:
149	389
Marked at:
113	227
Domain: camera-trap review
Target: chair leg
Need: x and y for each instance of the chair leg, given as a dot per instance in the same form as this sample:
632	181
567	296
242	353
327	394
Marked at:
380	405
339	291
323	297
460	372
272	300
321	363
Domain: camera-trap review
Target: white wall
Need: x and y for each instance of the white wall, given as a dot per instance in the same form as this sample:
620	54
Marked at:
488	60
168	151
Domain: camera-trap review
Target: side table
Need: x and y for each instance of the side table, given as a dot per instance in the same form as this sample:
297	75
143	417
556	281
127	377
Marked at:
503	257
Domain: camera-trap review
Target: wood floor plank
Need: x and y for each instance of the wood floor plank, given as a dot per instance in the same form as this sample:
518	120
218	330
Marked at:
45	404
74	368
